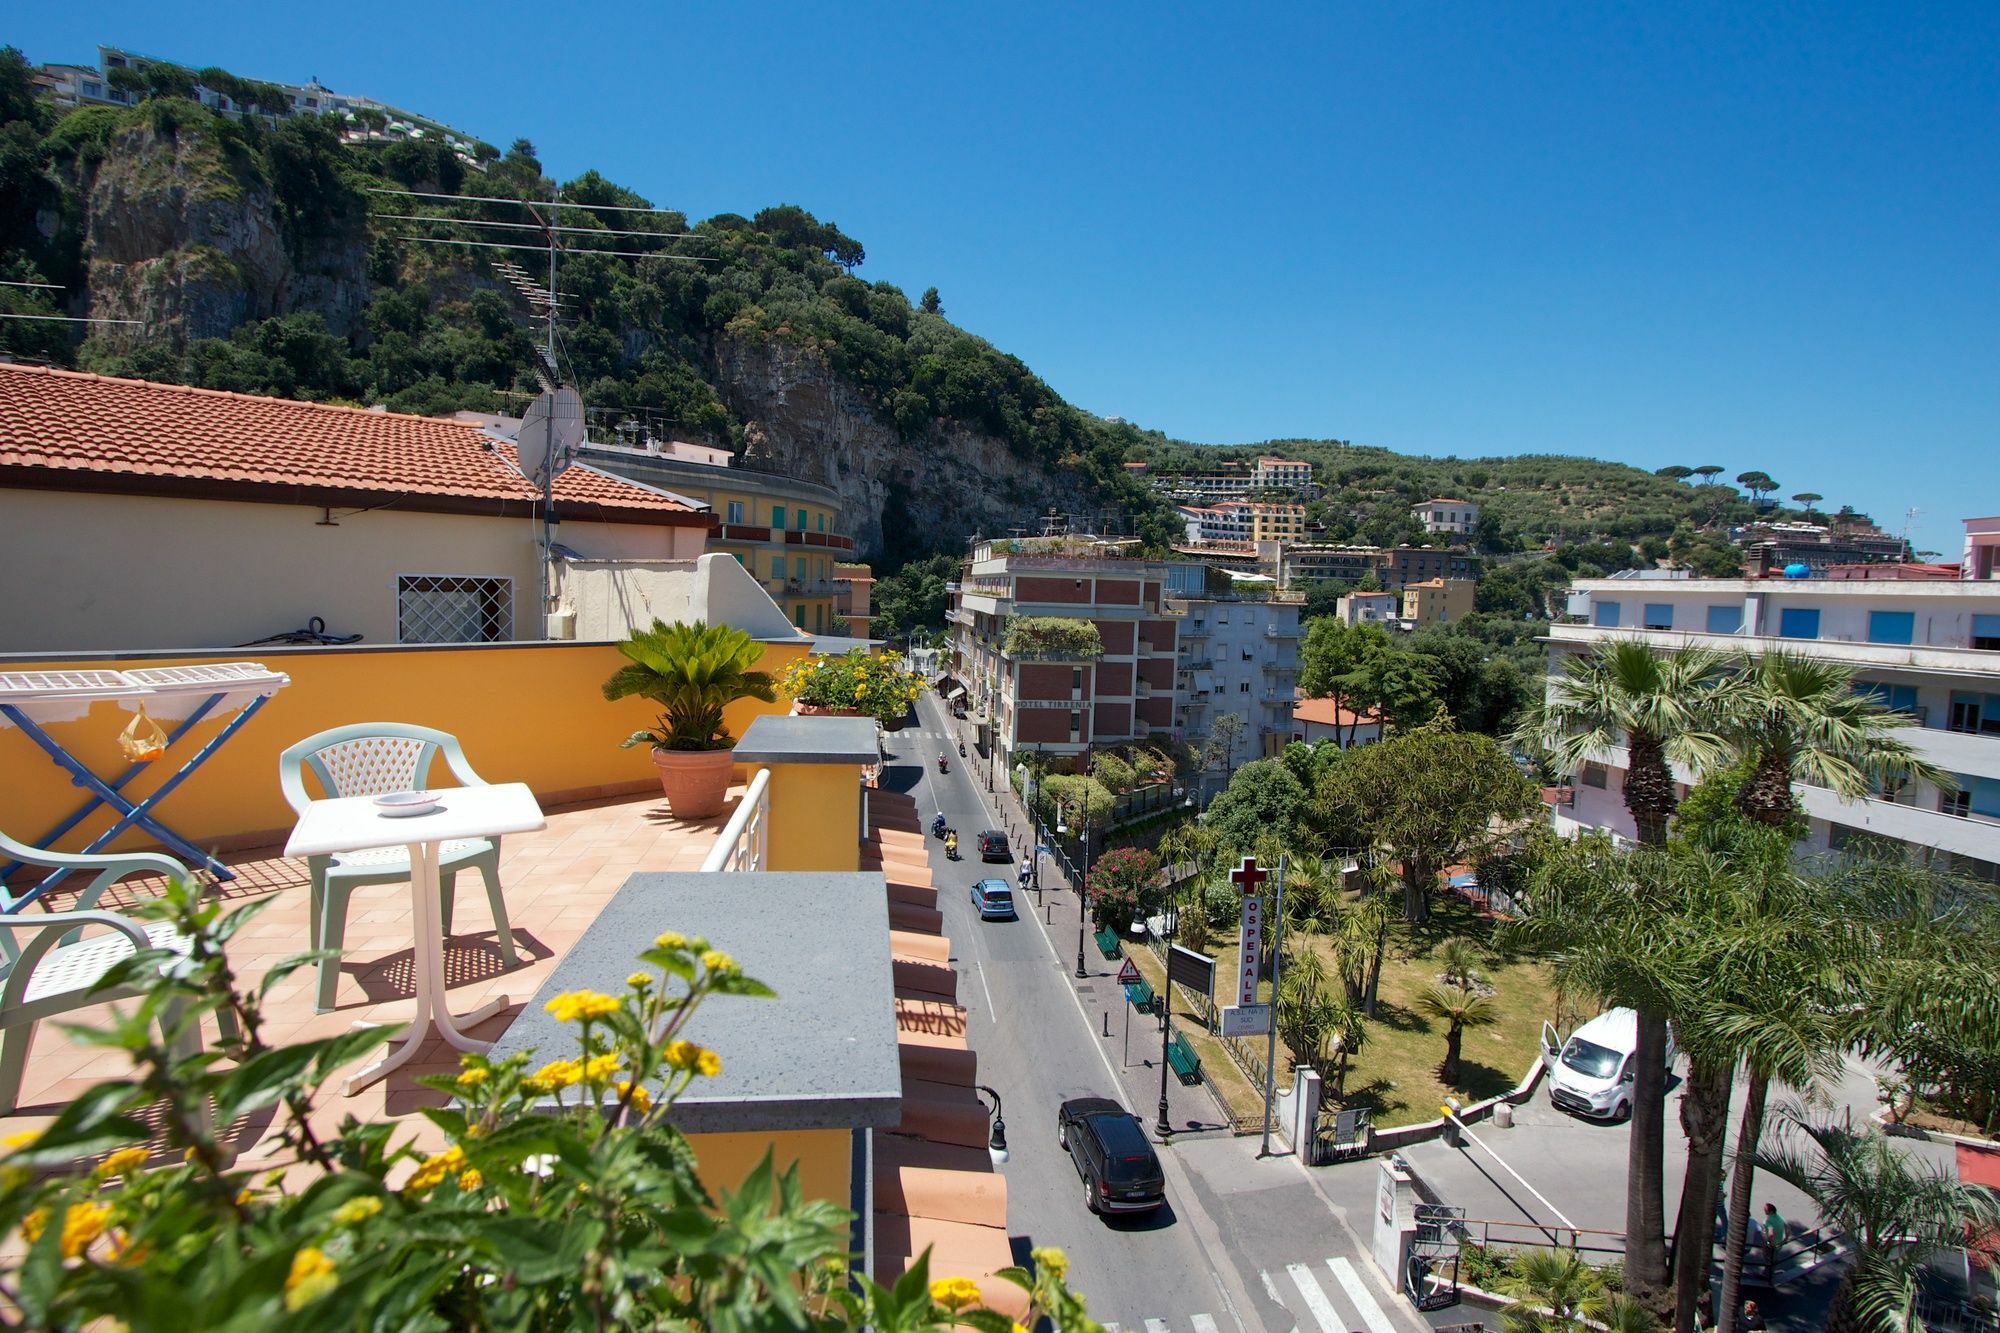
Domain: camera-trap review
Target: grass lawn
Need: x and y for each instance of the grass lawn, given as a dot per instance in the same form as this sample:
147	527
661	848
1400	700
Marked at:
1395	1075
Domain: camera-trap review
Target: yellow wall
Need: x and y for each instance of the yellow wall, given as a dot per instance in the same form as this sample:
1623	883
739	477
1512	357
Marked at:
823	1157
815	817
532	714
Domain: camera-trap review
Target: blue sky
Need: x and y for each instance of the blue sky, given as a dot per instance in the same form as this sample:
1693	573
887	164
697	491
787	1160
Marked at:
1760	235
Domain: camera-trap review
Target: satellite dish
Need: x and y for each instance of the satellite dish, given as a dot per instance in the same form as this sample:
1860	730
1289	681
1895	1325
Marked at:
551	430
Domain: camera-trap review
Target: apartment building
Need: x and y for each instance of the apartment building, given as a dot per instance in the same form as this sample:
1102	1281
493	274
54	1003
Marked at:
853	591
86	85
785	532
1288	474
1368	608
1240	656
1770	547
1447	515
1246	522
1437	601
1063	701
1926	648
1396	566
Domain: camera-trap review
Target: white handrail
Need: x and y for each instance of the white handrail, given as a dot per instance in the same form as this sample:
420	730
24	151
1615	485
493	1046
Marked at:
746	837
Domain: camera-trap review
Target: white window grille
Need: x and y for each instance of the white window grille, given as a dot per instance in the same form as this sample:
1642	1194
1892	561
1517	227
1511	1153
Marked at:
453	608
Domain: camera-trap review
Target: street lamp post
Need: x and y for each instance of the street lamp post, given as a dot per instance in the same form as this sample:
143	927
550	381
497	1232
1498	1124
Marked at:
1165	1127
1083	892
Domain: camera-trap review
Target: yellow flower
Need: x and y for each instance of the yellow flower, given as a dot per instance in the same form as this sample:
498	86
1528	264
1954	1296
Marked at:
581	1004
434	1169
245	1195
687	1055
708	1064
356	1211
82	1224
1050	1260
954	1293
598	1069
715	960
470	1179
641	1100
21	1139
554	1075
311	1278
472	1078
639	980
122	1163
32	1224
670	939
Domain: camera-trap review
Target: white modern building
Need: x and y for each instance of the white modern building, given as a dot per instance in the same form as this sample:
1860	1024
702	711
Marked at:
1369	608
1241	657
1928	649
1287	474
1447	515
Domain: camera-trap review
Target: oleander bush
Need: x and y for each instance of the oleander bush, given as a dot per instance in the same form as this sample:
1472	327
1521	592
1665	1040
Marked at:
562	1197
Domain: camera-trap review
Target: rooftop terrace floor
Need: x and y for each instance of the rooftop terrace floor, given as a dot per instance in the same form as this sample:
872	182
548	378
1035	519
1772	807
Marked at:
554	881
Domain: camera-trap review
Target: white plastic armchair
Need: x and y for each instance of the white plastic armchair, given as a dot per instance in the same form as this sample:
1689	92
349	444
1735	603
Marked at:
108	870
369	759
53	973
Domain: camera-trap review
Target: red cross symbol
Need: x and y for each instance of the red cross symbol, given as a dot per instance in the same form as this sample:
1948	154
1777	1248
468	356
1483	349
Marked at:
1247	876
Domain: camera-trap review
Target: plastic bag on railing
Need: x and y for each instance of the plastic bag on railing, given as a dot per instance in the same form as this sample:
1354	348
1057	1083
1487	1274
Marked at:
142	741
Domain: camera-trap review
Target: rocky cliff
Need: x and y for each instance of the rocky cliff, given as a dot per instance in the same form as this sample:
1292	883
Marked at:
803	420
183	235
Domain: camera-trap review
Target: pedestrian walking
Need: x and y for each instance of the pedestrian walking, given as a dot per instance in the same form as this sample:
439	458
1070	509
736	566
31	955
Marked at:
1753	1318
1775	1231
1027	869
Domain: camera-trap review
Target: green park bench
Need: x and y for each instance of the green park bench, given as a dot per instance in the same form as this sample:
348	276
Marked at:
1141	995
1107	942
1182	1057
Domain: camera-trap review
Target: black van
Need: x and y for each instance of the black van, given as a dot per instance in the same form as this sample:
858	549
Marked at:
1121	1172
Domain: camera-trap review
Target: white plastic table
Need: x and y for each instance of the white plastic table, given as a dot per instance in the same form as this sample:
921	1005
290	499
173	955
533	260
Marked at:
355	823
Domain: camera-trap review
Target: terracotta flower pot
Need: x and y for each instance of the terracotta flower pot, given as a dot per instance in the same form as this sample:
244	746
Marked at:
696	782
822	710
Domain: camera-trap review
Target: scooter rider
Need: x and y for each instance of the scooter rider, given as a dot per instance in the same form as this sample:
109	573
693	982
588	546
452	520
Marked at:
961	749
951	845
944	765
937	825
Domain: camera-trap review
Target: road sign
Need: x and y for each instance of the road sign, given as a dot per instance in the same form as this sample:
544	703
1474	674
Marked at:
1250	948
1194	970
1246	1020
1128	975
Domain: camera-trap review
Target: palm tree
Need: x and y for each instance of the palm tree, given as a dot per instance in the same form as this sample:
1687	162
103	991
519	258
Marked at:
1347	1033
1655	705
1658	707
1893	1208
1803	720
1305	1015
1460	959
1554	1291
1459	1008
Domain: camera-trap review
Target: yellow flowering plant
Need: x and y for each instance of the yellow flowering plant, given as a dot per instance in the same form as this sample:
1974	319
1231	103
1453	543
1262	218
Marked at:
550	1192
855	681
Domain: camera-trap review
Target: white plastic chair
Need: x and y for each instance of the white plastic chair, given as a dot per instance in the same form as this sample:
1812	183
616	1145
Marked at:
54	971
369	759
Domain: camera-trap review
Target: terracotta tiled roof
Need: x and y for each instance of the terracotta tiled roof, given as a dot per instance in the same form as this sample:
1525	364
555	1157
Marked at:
92	432
1324	712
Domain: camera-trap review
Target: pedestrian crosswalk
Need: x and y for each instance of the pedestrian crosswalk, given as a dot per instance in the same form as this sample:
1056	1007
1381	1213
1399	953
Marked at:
1331	1298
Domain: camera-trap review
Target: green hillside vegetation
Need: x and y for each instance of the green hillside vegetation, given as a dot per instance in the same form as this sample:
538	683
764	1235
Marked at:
441	332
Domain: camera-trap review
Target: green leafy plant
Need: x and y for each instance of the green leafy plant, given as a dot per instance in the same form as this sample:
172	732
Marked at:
1056	637
563	1197
693	671
855	681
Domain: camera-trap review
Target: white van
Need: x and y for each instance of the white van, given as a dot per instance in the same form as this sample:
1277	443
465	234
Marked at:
1591	1073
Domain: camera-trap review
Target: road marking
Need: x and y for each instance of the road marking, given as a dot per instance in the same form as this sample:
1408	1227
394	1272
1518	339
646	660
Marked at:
992	1010
1317	1305
1270	1287
1111	1328
1364	1300
1157	1326
1203	1324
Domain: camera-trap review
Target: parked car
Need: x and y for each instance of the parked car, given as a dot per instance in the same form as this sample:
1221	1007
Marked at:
1591	1074
1120	1171
993	846
994	898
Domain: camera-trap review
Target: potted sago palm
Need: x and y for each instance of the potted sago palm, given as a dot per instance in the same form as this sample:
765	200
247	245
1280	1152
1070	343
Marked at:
692	672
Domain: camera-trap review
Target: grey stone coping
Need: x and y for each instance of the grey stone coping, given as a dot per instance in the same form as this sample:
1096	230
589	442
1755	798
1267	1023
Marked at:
809	740
822	1055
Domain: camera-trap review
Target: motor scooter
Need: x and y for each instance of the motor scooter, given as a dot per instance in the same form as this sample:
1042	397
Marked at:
944	765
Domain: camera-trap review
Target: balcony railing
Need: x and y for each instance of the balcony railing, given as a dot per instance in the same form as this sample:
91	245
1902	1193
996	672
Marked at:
1280	632
838	540
746	838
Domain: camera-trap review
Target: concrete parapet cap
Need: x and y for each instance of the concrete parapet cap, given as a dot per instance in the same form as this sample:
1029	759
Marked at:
809	740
